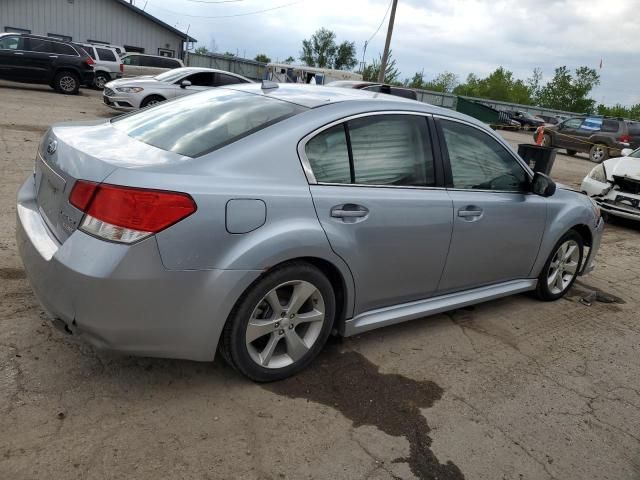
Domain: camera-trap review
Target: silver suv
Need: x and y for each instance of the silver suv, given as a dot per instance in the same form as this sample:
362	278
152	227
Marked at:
108	65
256	221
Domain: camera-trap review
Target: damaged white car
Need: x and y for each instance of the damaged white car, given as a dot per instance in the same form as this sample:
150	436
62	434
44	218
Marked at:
615	185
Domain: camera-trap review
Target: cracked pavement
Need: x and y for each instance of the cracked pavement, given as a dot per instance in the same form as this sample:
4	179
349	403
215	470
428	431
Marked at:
530	390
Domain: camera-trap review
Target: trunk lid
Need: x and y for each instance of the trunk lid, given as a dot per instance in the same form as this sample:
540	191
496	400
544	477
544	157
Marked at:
87	151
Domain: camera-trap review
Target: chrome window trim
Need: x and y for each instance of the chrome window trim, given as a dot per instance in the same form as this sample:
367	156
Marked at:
306	165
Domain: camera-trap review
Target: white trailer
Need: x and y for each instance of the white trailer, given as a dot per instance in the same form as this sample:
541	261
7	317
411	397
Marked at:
286	73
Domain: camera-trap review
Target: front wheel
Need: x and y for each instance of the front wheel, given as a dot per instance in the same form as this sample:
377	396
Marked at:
281	324
151	100
546	140
561	269
101	80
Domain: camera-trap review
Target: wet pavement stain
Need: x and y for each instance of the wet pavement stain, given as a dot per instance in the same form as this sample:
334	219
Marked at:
583	290
12	273
351	384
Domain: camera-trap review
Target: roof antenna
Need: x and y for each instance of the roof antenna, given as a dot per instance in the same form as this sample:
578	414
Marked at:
268	85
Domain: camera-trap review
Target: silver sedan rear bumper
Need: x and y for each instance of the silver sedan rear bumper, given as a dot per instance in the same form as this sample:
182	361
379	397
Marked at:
121	297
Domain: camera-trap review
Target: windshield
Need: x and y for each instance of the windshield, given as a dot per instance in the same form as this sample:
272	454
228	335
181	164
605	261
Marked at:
172	75
200	123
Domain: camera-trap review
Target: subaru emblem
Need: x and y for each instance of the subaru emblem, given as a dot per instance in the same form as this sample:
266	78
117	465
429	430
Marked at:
52	147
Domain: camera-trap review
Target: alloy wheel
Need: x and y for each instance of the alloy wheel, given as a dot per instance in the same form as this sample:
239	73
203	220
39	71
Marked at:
598	153
67	83
285	324
153	102
563	267
100	82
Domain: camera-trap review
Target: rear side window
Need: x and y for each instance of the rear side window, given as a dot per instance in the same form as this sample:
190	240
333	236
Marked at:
376	150
63	49
168	63
610	126
634	128
224	79
40	46
106	54
198	124
90	51
149	62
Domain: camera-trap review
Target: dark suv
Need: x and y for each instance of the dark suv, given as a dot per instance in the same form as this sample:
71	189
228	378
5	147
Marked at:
528	121
34	59
600	137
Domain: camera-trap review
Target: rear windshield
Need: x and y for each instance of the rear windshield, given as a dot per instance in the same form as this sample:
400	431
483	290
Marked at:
203	122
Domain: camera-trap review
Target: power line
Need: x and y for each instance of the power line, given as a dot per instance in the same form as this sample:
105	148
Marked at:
381	22
232	15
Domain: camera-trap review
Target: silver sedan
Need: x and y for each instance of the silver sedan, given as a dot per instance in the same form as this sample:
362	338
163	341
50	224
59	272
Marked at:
128	94
256	220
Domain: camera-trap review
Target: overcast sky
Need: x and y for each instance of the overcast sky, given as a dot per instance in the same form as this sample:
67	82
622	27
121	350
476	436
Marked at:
460	36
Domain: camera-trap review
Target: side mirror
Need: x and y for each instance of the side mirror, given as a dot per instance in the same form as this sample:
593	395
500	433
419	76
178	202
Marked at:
185	84
542	185
626	152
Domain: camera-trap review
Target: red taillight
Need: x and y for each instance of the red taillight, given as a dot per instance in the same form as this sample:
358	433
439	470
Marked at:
89	61
624	138
122	68
127	214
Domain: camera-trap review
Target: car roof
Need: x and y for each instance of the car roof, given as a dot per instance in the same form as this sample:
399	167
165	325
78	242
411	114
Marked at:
147	55
187	70
313	96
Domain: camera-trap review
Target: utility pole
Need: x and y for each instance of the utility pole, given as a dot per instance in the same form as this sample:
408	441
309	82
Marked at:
387	43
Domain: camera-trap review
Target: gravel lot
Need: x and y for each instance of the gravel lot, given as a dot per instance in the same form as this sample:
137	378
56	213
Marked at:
511	389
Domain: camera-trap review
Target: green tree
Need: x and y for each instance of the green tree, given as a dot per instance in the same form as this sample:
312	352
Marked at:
201	51
618	110
499	85
261	57
229	54
290	59
391	73
534	83
568	92
444	82
322	51
416	82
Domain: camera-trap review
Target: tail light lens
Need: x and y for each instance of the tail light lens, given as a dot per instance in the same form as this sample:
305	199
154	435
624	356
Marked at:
624	138
126	214
122	68
89	61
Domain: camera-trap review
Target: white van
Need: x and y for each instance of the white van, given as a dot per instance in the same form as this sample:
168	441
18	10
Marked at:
286	73
137	64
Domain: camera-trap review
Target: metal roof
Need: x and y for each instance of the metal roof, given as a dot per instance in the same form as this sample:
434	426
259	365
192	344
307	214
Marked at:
148	16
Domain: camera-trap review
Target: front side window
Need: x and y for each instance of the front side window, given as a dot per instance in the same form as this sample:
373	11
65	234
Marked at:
480	162
198	124
374	150
9	43
200	79
131	60
63	49
572	123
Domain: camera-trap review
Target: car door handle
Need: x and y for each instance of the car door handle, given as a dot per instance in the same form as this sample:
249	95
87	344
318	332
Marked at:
53	56
470	213
18	53
349	210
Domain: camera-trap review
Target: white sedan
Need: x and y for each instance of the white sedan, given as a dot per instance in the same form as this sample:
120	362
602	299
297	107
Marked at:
133	93
615	185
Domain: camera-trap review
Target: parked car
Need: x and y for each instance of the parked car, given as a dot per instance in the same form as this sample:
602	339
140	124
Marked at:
133	93
137	64
35	59
528	121
108	65
549	119
615	185
376	87
600	137
258	220
118	48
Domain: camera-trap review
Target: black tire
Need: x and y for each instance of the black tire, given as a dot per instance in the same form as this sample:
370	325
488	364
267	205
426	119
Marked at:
151	100
100	80
599	153
543	290
233	343
571	152
66	82
547	141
